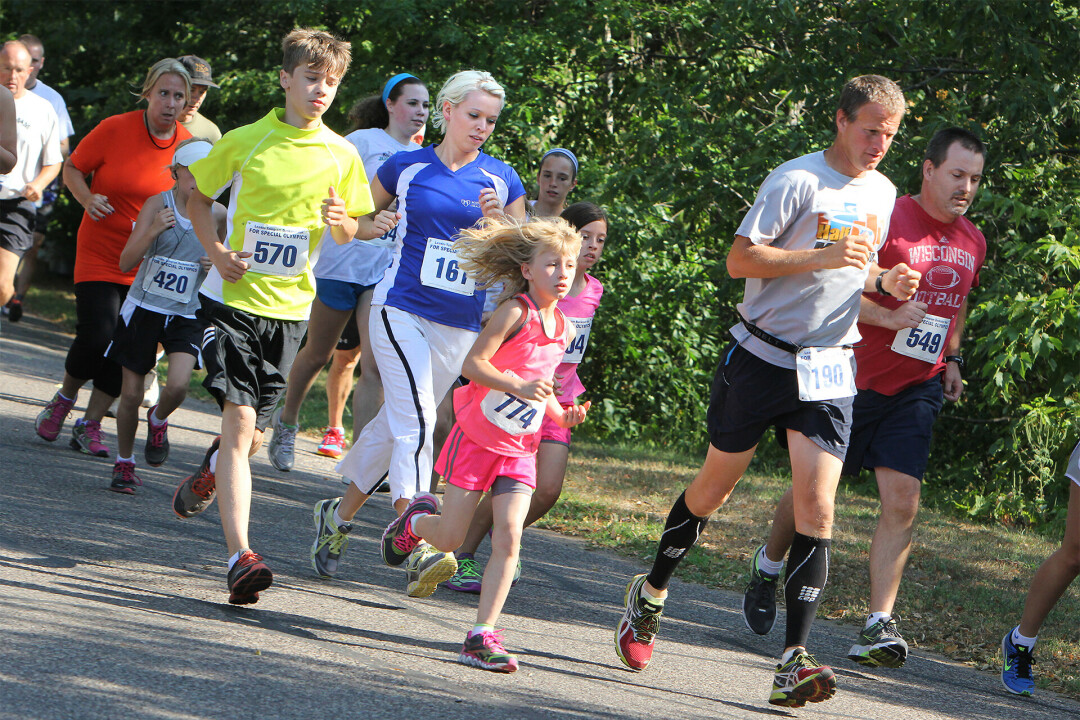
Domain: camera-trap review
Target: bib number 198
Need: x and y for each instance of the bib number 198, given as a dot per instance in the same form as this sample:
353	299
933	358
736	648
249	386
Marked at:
824	373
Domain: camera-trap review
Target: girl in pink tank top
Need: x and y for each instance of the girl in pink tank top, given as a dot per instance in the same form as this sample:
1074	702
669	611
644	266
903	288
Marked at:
493	443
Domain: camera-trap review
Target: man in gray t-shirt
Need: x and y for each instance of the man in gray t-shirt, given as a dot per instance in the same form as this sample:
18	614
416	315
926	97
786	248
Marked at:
807	249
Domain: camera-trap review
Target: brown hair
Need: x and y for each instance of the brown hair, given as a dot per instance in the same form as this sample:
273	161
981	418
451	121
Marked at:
871	88
317	48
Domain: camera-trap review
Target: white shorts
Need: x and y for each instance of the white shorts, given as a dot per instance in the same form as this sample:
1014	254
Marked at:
419	360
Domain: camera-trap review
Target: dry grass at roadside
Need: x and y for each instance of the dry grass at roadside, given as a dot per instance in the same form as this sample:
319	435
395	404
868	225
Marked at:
964	586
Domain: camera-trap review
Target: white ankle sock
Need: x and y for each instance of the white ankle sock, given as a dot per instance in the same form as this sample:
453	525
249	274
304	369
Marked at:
155	419
125	460
338	520
1018	639
213	462
767	566
875	616
234	558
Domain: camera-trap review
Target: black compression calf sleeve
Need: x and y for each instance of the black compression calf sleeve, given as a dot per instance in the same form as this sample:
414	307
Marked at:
680	534
807	572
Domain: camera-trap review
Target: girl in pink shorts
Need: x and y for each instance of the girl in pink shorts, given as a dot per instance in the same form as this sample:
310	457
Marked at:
492	446
579	306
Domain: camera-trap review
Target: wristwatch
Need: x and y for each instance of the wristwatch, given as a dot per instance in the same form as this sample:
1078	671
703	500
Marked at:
879	287
956	359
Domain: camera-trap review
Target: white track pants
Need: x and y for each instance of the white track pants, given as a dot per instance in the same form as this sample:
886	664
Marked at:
419	360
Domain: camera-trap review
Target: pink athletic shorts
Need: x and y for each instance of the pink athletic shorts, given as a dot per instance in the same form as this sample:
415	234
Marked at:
551	432
472	467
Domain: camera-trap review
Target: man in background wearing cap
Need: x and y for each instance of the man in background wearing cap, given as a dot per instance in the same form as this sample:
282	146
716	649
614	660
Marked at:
201	79
14	308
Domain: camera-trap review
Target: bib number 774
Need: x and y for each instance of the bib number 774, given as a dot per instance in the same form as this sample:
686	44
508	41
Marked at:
511	414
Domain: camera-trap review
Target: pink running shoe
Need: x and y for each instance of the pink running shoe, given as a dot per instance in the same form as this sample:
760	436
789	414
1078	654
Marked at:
398	540
50	421
486	651
124	479
87	437
333	442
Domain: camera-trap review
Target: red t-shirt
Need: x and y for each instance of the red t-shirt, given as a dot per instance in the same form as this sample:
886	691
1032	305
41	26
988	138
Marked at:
128	167
949	256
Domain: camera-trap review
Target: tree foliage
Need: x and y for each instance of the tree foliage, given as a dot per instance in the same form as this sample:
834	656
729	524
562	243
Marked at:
677	112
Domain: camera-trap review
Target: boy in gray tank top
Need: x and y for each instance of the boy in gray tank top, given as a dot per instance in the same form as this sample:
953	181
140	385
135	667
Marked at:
160	309
807	249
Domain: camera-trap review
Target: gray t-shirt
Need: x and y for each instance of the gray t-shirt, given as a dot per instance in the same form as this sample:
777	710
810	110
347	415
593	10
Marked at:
170	274
802	205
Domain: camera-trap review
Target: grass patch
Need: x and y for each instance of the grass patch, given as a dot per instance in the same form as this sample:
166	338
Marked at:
964	586
52	298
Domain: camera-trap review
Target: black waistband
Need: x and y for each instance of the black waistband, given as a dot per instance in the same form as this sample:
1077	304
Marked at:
770	339
777	342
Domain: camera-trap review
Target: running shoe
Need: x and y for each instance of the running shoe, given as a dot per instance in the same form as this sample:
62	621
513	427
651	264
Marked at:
469	577
426	568
87	437
759	598
51	420
880	645
124	479
1016	667
331	539
801	680
282	446
637	630
398	540
156	451
247	578
14	309
199	490
486	652
333	442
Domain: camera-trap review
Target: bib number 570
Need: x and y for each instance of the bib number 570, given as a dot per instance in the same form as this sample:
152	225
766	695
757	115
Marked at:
269	252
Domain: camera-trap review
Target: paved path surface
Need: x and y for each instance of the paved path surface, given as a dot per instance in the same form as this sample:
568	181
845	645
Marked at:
112	607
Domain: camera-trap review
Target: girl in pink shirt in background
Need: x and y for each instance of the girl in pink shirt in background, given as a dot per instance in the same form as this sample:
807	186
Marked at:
492	446
579	306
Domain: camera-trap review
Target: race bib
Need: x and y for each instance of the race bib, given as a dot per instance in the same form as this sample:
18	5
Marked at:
171	279
924	342
441	269
275	249
510	413
576	350
825	373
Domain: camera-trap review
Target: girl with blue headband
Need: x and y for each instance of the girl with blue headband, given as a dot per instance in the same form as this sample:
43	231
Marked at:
556	178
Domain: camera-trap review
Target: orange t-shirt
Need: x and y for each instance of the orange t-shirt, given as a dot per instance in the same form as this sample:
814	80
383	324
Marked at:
128	167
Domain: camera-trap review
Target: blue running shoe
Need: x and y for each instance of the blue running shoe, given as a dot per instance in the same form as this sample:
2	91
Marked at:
1016	667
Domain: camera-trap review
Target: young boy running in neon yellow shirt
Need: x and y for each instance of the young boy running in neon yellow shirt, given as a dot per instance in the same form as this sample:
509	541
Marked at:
291	180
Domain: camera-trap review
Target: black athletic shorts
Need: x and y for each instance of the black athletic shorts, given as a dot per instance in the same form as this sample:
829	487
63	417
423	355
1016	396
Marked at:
350	336
893	431
42	217
135	341
750	395
248	357
17	225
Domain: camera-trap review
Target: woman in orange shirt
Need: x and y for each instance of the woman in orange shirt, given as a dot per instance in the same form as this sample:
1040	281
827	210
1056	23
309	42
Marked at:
127	156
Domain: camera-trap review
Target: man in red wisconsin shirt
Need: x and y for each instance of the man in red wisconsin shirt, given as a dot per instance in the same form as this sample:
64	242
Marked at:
908	361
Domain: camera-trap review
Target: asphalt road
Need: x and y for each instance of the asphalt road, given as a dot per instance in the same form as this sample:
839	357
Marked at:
112	607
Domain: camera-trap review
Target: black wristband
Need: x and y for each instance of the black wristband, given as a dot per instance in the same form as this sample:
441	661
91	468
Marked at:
879	287
955	359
